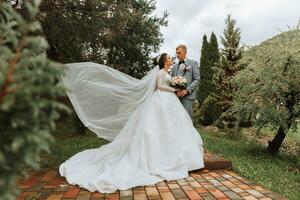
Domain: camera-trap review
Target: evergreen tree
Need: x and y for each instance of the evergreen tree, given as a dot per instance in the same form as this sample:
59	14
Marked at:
204	70
230	54
29	87
214	54
269	89
209	58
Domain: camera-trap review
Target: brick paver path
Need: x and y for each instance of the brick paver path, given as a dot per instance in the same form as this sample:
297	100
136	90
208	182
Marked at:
205	184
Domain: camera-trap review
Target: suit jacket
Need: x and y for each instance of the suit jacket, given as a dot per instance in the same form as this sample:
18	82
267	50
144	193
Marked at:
192	76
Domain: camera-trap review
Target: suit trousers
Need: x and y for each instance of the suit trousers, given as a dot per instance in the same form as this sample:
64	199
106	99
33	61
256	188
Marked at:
188	105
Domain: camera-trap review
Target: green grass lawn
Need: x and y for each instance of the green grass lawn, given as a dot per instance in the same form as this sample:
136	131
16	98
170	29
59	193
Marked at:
279	173
68	143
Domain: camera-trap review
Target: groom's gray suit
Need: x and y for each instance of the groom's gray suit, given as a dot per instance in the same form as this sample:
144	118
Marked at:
193	79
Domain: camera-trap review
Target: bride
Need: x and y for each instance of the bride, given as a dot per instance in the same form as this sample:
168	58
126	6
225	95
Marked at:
152	136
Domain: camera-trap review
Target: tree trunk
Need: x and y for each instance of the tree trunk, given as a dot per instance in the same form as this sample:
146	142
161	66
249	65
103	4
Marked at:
275	144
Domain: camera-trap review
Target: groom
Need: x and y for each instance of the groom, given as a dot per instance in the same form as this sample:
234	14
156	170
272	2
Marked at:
189	69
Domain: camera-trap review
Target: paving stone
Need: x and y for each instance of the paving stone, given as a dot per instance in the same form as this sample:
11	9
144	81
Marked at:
215	182
208	186
55	196
274	196
49	176
195	184
167	196
152	191
36	187
189	178
255	193
129	198
223	188
97	196
163	189
217	193
163	183
174	186
237	190
227	176
44	193
201	180
220	179
232	195
182	182
207	196
170	181
24	184
186	188
113	196
250	198
193	195
214	174
178	193
207	177
126	193
195	175
83	195
72	192
229	184
244	187
62	187
260	189
201	190
205	184
54	183
244	194
27	195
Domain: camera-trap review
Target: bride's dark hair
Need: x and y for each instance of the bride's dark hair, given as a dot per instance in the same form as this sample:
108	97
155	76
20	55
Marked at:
160	60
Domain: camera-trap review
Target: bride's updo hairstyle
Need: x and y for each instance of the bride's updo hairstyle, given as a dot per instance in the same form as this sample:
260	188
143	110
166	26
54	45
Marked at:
160	60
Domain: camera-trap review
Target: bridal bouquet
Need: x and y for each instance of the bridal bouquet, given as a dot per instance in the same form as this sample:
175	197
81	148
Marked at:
178	82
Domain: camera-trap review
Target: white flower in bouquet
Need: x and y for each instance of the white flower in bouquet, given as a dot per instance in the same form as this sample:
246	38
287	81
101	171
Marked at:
178	82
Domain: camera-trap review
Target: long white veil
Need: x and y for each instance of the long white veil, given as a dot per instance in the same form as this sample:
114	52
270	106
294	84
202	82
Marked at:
105	98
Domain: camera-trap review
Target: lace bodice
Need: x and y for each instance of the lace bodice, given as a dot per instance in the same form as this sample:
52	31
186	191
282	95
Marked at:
163	79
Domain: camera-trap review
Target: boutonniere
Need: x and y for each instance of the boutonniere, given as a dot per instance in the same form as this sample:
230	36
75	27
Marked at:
184	67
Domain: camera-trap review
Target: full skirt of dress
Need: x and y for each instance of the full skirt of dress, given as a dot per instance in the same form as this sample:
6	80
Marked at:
158	142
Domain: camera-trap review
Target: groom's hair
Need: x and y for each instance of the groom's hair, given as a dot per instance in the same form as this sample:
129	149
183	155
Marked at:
182	46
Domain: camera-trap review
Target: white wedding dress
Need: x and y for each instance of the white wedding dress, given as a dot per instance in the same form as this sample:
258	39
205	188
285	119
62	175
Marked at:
156	140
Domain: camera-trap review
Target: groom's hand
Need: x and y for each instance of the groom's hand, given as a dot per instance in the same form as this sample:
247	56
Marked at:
182	93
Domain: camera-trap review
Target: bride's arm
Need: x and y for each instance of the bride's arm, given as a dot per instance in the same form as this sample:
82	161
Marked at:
161	86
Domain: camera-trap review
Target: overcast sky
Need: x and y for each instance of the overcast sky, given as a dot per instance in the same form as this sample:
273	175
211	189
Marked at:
257	19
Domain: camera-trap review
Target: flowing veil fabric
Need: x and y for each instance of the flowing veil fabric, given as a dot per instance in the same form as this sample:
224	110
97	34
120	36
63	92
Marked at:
105	98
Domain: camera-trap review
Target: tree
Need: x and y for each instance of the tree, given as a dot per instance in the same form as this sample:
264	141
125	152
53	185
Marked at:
230	54
209	58
214	54
121	33
29	86
204	70
268	87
